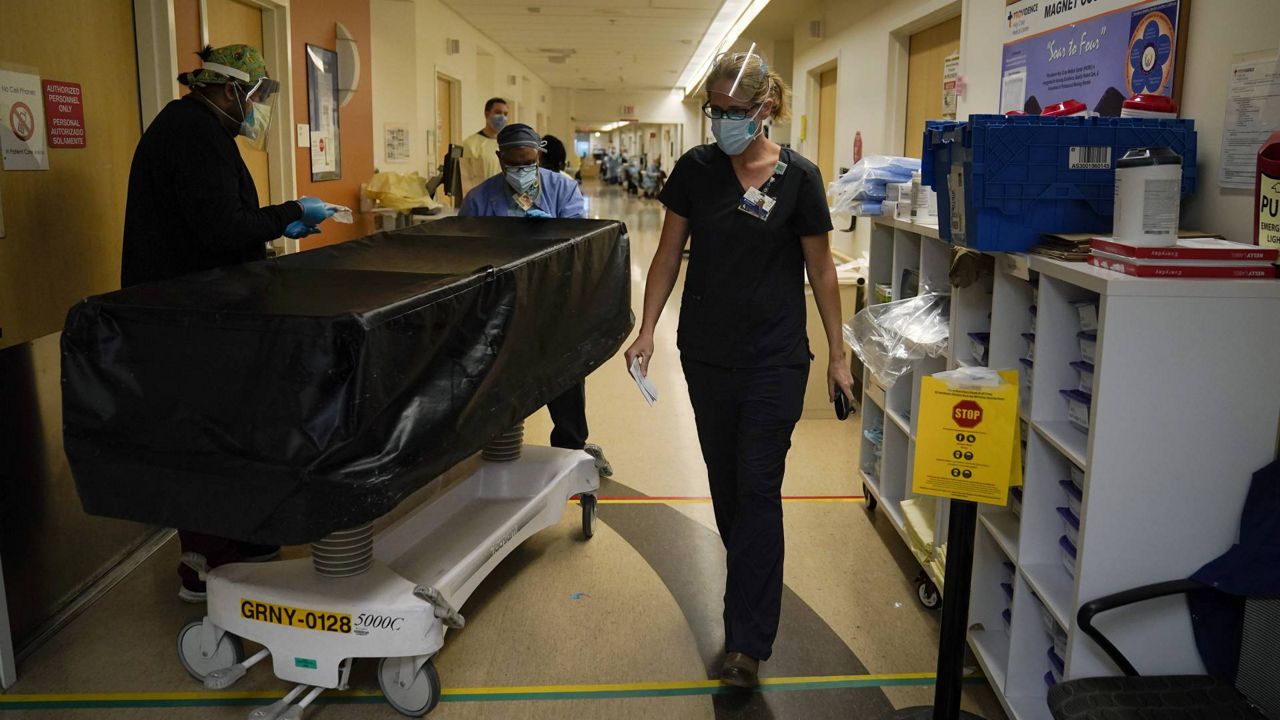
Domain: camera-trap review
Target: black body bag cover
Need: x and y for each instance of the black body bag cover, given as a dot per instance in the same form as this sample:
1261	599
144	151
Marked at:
281	400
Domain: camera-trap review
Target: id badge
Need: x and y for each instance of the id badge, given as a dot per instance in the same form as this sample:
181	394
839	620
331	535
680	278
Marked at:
756	204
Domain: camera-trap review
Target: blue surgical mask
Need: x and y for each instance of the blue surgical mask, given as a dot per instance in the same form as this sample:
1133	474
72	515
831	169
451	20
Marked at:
523	179
497	122
734	136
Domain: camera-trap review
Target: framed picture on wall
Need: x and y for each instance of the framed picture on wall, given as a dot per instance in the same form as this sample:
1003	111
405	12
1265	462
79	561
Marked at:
322	109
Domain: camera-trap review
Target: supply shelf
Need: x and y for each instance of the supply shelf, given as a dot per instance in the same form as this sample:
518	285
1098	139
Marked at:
1170	430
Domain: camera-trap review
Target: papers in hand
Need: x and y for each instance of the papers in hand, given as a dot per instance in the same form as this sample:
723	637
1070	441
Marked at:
645	384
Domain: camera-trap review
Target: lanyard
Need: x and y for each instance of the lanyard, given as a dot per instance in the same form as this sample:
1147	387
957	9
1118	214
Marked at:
758	202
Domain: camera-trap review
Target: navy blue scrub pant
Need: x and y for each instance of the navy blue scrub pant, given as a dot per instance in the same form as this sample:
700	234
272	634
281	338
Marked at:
745	418
569	418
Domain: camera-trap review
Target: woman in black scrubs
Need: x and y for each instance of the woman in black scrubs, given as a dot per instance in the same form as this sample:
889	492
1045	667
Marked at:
758	217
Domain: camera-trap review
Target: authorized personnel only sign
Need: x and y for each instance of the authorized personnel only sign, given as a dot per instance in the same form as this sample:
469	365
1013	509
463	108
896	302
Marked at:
64	114
967	440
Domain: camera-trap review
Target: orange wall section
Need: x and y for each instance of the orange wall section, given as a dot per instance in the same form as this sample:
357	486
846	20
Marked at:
312	21
186	26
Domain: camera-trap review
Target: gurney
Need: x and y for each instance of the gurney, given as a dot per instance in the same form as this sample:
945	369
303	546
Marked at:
299	399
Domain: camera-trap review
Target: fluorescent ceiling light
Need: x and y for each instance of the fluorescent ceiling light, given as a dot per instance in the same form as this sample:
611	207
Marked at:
614	125
733	18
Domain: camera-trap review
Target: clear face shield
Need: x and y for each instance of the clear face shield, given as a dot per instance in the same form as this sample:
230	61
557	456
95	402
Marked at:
736	115
721	104
257	103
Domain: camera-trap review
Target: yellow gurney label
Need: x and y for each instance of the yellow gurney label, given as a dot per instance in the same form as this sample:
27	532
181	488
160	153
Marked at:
295	617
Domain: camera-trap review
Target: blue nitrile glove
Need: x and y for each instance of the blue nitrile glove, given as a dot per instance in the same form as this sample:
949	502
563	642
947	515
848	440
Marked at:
298	229
315	210
536	213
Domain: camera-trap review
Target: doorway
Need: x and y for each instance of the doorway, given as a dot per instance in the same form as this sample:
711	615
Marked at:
227	22
827	82
927	53
446	123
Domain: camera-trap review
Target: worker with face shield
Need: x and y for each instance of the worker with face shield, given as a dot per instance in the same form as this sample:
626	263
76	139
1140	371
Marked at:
193	206
525	189
756	216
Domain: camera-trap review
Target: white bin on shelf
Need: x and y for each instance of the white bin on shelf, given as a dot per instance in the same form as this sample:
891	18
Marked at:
1087	311
1088	346
1085	372
1070	525
1075	498
1069	554
1078	405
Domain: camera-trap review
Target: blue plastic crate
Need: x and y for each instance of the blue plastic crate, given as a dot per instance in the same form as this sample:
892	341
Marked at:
933	131
1013	177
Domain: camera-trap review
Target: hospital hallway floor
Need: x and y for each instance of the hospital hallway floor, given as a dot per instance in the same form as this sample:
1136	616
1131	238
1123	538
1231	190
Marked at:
626	625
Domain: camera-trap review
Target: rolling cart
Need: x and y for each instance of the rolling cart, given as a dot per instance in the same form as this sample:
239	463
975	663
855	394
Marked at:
390	597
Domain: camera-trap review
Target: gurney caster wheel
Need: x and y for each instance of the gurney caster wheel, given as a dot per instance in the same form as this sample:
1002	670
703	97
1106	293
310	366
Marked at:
869	498
419	697
927	592
588	503
228	652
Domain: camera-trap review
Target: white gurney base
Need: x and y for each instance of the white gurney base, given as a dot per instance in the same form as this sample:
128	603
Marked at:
312	623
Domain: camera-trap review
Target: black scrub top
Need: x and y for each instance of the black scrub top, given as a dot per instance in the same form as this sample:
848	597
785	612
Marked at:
744	301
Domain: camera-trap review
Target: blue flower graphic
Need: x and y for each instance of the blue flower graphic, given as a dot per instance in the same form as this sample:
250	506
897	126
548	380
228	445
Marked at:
1148	58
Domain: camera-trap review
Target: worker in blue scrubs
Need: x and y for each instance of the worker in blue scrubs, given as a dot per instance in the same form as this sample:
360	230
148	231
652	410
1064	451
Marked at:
525	189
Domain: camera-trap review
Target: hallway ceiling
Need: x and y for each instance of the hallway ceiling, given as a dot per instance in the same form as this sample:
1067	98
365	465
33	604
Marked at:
609	45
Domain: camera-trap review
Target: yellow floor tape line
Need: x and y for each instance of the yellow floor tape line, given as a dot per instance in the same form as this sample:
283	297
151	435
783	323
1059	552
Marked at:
707	500
54	701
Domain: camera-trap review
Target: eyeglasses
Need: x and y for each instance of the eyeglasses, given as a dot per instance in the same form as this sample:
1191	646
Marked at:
718	113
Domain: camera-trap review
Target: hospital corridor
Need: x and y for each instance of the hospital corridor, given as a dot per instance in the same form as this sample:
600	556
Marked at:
639	359
625	625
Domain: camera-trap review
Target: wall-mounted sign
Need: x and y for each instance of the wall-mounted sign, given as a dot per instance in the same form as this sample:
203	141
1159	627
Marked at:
64	114
950	74
22	136
627	111
1100	53
396	143
322	113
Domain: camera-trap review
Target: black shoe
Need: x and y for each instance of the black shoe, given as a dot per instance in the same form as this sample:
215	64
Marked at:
252	552
740	671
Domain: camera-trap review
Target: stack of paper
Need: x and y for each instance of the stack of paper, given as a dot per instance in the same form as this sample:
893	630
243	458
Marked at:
647	388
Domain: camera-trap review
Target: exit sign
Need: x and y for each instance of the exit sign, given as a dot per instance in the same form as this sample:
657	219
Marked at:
628	111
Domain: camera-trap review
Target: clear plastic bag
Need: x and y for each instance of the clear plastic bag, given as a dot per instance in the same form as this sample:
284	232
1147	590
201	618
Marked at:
861	190
889	336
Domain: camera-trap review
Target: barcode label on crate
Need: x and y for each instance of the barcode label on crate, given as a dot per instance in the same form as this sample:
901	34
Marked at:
1090	158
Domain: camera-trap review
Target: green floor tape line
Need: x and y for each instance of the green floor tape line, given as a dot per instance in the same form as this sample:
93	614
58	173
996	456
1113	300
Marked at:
107	701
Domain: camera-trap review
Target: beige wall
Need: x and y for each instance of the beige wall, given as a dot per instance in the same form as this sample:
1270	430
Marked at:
407	52
864	37
1214	37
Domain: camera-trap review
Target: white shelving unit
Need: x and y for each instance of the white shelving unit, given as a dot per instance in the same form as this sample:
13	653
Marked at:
1185	406
920	520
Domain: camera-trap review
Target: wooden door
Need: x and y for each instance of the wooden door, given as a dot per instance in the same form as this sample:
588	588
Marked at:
444	125
232	22
927	54
64	226
827	124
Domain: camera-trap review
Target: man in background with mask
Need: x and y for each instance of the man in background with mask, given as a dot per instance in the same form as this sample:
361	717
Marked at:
483	145
193	206
524	189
